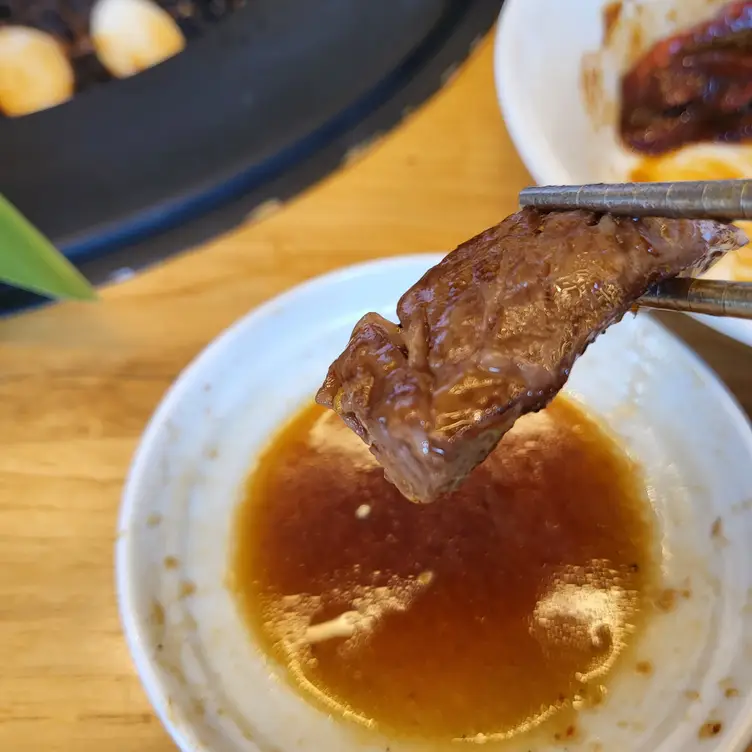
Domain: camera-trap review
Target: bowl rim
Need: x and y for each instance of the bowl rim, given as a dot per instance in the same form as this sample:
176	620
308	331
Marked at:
534	149
146	667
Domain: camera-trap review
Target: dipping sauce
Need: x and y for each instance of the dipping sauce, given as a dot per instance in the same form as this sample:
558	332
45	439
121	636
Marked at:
480	616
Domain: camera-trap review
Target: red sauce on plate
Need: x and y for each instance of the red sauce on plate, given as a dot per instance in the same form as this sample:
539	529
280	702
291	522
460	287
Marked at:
695	86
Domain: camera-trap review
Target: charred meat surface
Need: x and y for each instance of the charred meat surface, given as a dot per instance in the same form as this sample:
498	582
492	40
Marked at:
696	86
492	332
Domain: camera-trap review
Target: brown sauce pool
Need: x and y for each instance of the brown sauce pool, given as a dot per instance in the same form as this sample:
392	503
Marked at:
483	615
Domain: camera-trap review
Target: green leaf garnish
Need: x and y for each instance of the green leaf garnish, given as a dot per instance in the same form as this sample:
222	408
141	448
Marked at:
29	260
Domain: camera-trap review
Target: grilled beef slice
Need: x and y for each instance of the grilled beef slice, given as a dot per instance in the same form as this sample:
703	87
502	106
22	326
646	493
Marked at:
492	331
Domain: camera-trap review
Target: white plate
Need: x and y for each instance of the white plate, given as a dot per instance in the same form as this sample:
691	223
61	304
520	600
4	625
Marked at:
214	690
540	49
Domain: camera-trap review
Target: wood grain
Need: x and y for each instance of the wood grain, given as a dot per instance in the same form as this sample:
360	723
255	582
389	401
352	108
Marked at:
78	383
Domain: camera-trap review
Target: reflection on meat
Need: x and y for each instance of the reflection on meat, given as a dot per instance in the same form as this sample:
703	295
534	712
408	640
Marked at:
696	86
492	332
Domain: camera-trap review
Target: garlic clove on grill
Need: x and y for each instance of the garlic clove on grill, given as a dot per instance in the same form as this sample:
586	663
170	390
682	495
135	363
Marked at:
132	35
34	71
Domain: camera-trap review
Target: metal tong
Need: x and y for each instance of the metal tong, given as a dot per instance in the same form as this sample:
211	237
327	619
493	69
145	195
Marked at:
726	200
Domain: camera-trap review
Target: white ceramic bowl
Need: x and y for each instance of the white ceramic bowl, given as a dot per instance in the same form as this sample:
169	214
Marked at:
563	135
206	678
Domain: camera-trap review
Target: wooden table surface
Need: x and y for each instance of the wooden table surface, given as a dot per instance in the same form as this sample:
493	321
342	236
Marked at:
78	382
